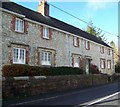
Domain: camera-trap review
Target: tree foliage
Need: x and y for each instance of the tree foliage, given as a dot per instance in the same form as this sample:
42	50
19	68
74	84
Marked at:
112	44
95	31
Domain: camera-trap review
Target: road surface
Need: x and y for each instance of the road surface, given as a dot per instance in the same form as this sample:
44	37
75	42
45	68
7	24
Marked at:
101	95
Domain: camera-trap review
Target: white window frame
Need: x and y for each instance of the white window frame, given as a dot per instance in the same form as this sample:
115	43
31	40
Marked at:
102	49
108	51
87	45
19	60
76	62
102	63
19	25
46	33
75	41
46	58
109	64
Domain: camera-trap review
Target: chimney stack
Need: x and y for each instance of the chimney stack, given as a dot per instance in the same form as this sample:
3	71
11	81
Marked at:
43	7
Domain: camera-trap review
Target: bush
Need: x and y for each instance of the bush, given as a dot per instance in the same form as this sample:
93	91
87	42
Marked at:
117	68
26	70
94	69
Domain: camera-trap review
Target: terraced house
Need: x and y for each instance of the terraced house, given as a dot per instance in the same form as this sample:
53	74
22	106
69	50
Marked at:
36	38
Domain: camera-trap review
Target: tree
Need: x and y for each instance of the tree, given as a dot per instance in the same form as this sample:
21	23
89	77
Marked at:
112	44
95	31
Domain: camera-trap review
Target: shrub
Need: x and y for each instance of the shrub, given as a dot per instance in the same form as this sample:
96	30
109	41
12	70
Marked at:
117	68
94	69
66	71
26	70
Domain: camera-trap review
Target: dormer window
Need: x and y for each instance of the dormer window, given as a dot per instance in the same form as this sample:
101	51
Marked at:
19	25
46	33
102	49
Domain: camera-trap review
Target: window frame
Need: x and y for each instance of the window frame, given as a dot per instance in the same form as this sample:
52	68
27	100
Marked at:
19	25
46	33
102	49
19	55
108	51
109	63
76	62
46	58
102	63
75	41
87	45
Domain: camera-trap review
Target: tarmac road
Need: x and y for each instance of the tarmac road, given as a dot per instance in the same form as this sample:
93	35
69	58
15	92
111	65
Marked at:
76	97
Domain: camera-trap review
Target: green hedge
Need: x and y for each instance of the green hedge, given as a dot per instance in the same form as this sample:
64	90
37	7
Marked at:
26	70
117	68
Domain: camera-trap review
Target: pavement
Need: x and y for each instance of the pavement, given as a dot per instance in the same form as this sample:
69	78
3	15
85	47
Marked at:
110	100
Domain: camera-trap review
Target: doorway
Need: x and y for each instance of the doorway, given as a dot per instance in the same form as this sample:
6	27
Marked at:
87	66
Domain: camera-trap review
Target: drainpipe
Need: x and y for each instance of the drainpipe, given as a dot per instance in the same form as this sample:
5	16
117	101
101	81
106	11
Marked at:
69	50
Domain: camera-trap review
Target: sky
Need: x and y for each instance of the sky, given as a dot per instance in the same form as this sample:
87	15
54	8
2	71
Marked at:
103	14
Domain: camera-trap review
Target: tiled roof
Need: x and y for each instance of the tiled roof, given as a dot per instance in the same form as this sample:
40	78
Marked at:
35	16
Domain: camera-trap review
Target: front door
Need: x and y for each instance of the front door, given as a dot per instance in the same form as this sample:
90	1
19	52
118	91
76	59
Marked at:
87	66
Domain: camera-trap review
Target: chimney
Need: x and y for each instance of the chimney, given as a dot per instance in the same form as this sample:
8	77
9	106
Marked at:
43	7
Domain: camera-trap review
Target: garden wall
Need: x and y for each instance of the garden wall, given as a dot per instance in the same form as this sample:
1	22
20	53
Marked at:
27	86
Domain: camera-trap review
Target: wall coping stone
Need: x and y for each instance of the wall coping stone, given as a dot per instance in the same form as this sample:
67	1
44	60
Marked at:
40	77
21	78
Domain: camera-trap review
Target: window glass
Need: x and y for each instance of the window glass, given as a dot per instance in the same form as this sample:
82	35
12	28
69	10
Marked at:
46	33
19	25
19	56
46	58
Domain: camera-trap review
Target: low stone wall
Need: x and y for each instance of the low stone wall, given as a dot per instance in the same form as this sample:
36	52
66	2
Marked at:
27	86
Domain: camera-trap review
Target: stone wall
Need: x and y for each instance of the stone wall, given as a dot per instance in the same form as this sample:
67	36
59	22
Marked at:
0	40
27	86
61	45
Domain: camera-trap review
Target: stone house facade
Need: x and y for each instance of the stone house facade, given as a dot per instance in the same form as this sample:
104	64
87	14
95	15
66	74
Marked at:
37	39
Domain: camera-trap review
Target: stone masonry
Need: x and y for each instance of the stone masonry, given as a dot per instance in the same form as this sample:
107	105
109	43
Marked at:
60	45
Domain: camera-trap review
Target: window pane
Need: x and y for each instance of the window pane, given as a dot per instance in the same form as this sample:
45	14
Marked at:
19	56
22	54
86	44
16	25
19	25
49	57
45	56
15	56
76	62
102	64
75	41
42	56
46	32
102	49
109	64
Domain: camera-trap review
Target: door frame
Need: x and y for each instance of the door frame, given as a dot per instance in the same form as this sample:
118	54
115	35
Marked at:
87	66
